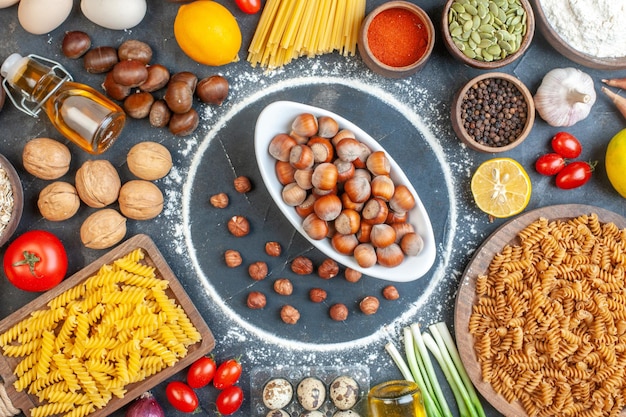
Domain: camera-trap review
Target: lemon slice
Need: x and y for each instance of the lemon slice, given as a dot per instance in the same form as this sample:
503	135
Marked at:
501	187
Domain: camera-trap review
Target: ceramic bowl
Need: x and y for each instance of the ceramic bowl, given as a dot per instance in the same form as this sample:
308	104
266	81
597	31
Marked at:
374	63
277	118
457	118
18	200
461	56
564	48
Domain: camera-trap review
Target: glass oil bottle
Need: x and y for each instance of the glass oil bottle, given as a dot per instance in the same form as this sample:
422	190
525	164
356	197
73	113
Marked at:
79	112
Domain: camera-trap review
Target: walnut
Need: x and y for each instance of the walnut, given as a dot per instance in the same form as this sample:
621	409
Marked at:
317	295
338	312
289	314
258	270
238	226
98	183
352	275
242	184
369	305
390	292
283	286
328	269
58	201
273	248
256	300
219	200
232	258
140	200
103	229
302	265
46	158
149	160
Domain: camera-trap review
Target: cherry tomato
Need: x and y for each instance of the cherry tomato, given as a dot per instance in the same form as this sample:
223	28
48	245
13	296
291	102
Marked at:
227	374
35	261
574	175
249	6
181	396
566	145
201	372
229	400
550	164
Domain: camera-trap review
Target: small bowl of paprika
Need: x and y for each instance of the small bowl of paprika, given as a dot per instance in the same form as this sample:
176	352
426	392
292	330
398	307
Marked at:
396	39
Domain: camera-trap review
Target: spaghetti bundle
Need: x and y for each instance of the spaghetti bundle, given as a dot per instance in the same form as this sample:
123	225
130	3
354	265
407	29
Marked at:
290	29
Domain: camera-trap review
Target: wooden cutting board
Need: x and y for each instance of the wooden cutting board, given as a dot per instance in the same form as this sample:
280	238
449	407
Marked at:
153	257
466	296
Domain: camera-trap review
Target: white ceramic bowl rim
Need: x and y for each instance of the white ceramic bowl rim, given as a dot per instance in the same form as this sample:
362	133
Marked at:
277	118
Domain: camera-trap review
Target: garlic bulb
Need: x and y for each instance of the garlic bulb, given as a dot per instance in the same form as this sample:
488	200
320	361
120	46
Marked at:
565	96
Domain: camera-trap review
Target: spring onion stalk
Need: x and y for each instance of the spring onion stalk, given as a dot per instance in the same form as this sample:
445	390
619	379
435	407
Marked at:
441	330
399	361
430	370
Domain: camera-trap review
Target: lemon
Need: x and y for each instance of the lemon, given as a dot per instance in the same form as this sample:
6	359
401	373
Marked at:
207	32
615	162
501	187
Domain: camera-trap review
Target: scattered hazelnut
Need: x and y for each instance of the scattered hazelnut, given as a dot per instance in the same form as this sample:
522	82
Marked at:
302	265
273	248
283	286
352	275
256	300
232	258
317	295
338	312
390	292
328	269
219	200
289	314
369	305
238	226
258	270
242	184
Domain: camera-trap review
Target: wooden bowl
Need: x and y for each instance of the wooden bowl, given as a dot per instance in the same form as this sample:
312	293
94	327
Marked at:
481	64
376	64
18	200
558	43
457	119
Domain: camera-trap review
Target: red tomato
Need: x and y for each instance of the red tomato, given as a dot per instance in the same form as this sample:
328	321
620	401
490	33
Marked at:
566	145
550	164
229	400
35	261
574	175
181	396
227	374
201	372
249	6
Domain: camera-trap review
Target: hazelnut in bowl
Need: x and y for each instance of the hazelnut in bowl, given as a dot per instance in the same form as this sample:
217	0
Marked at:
339	188
487	34
396	39
494	112
11	200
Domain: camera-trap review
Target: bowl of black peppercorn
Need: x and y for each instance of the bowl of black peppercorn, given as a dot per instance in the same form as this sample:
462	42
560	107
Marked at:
494	112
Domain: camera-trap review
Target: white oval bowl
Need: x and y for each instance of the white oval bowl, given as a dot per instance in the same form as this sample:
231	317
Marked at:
277	118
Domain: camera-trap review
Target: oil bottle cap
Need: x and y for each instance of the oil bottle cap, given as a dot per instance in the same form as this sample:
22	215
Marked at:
10	66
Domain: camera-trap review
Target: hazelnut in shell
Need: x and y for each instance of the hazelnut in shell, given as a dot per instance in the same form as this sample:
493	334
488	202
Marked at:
140	200
46	158
103	229
149	160
98	183
58	201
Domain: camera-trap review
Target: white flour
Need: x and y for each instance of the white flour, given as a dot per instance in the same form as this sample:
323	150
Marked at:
594	27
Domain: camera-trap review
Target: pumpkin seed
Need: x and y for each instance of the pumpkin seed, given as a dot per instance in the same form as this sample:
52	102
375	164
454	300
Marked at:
471	9
474	36
469	53
458	7
460	45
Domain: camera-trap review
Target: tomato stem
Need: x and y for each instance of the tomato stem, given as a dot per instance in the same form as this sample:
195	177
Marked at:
30	259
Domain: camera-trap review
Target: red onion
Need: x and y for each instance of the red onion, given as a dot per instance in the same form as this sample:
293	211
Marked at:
145	406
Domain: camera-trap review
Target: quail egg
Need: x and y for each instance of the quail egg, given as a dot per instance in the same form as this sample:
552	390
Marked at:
277	413
346	413
311	393
277	393
344	392
312	413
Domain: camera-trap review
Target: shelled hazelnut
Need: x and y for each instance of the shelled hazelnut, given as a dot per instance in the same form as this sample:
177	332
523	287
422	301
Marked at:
242	184
238	226
256	300
289	314
338	312
328	269
273	248
232	258
352	275
302	265
283	286
369	305
391	293
219	200
258	270
317	295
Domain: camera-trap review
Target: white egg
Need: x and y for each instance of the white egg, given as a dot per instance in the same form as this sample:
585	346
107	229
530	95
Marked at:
7	3
114	14
43	16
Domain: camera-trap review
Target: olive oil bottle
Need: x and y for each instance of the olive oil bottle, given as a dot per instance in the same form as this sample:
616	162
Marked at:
79	112
396	398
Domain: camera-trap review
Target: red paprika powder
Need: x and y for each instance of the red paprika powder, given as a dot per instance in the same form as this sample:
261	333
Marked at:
397	37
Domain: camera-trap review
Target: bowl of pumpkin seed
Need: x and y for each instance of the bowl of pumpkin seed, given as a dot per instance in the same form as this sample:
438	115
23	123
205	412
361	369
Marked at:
487	34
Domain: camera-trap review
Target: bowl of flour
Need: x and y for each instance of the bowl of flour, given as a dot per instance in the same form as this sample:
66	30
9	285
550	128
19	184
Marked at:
589	32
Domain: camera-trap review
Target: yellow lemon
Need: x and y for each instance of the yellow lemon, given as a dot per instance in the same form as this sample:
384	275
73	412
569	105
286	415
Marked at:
501	187
615	162
207	32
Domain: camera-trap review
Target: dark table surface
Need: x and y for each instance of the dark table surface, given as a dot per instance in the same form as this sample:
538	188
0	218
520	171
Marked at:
410	118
